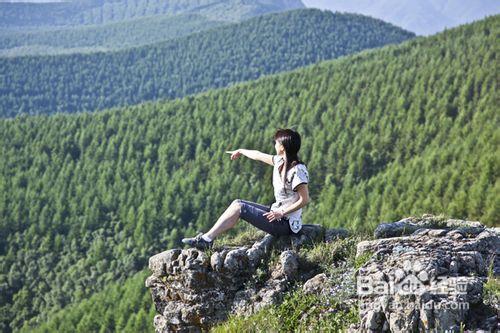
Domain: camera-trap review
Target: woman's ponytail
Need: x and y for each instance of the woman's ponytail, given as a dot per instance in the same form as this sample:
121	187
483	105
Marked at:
291	141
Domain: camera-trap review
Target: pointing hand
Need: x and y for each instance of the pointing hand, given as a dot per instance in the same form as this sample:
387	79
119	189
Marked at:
234	154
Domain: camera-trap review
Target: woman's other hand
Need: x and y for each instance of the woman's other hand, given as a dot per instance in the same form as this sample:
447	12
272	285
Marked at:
272	215
234	154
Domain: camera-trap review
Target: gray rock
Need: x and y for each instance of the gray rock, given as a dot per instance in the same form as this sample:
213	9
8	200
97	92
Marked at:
437	232
373	321
152	281
418	266
453	267
259	250
447	318
265	243
336	233
421	232
456	234
316	284
457	257
159	263
217	260
495	230
269	295
289	264
196	259
309	234
427	316
399	275
411	225
254	255
160	323
193	292
236	260
423	276
445	266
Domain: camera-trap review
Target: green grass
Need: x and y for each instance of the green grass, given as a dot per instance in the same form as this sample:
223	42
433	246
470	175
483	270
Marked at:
298	313
325	254
491	289
362	259
243	235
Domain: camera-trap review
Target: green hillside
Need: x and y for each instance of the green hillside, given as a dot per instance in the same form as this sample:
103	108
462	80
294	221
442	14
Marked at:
211	59
86	199
121	307
107	37
19	15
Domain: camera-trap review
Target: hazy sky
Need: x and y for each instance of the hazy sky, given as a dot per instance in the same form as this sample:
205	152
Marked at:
33	1
424	17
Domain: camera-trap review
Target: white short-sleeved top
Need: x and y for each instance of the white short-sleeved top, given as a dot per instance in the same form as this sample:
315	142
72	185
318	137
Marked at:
295	176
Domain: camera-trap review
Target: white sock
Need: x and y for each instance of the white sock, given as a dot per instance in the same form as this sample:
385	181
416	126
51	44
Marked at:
205	237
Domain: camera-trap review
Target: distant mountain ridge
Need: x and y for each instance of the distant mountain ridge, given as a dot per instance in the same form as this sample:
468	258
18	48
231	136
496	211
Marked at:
423	17
104	37
212	59
84	12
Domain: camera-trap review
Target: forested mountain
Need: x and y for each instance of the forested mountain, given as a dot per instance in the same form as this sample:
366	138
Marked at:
423	17
107	37
216	58
91	26
27	15
403	130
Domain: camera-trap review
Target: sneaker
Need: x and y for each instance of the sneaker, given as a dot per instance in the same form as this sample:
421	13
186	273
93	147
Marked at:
198	242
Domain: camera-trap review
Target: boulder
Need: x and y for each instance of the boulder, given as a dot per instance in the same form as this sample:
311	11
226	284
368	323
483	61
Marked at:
316	284
430	279
410	225
336	233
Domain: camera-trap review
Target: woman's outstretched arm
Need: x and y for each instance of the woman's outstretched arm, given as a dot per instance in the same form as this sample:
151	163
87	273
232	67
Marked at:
253	154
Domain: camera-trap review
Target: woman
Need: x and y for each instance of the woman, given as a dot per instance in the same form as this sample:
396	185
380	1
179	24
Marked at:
290	182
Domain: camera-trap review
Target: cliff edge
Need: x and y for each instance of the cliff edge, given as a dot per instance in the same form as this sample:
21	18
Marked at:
417	274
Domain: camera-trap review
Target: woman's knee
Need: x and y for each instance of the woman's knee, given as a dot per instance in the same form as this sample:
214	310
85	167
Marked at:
237	204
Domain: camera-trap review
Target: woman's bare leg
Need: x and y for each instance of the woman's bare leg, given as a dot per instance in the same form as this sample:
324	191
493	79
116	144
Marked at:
226	221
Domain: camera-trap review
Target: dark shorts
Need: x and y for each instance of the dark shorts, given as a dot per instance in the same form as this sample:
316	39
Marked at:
253	213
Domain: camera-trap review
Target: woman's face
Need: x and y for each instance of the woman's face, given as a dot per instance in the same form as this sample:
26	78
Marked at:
280	149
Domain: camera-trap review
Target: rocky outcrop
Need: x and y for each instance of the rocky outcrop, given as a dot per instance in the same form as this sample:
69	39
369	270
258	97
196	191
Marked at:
409	225
430	280
420	274
194	290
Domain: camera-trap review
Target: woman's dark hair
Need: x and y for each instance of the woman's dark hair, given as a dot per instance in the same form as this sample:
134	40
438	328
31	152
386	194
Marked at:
290	139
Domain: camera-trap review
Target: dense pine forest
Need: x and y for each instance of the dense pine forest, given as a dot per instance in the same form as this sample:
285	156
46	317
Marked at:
216	58
83	12
106	37
85	199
